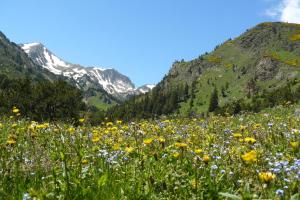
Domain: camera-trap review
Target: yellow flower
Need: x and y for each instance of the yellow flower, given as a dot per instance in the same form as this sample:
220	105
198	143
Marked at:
198	151
15	110
237	135
193	183
242	128
81	120
250	140
206	158
295	145
41	126
71	130
95	138
119	121
11	140
109	124
176	155
116	147
148	141
161	140
181	145
266	176
129	149
257	126
250	157
85	161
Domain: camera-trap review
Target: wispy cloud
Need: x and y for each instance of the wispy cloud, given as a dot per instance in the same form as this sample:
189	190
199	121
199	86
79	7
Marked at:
286	11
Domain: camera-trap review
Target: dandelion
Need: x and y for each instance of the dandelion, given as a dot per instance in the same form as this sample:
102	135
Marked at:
15	110
250	140
198	151
148	141
129	149
206	159
295	145
250	157
176	155
71	130
243	128
161	140
237	135
85	161
95	138
116	147
11	140
109	124
266	176
181	145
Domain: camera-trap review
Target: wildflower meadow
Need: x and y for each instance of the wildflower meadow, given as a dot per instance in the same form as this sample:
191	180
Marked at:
248	156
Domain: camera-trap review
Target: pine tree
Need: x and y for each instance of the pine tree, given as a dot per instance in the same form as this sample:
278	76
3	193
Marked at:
214	101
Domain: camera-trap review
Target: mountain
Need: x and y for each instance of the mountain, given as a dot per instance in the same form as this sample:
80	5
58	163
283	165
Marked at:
92	80
243	71
85	77
144	88
14	62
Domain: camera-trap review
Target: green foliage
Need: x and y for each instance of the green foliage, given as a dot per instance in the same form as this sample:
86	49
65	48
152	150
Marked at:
214	101
153	104
42	100
283	95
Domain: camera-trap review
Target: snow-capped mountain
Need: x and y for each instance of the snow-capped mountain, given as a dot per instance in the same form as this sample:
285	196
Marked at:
145	88
85	78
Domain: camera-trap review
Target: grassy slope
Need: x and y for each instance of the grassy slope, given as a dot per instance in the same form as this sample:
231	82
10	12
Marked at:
272	40
98	102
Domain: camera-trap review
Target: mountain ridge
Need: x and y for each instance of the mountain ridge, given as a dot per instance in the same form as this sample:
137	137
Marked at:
92	80
259	61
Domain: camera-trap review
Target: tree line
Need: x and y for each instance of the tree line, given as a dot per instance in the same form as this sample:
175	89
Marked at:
151	105
41	100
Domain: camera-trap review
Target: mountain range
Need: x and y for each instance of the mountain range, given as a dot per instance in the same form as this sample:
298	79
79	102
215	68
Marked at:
243	72
102	87
86	78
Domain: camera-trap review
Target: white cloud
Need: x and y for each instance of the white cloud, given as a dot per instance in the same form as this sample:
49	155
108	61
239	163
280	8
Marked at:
286	11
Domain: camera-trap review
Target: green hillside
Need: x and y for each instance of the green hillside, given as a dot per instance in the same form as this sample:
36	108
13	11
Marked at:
14	62
263	59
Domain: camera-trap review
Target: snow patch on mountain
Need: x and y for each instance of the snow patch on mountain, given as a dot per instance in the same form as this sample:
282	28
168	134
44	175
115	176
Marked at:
109	79
145	88
27	47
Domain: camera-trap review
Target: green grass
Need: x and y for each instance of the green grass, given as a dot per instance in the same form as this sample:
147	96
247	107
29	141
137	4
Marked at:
97	101
163	159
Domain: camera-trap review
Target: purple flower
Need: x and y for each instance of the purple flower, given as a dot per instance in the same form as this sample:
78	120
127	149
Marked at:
279	192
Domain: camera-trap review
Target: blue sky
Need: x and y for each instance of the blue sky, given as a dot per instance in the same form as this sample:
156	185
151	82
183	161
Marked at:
139	38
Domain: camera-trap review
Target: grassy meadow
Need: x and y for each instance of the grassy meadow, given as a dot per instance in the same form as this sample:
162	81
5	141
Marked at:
248	156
